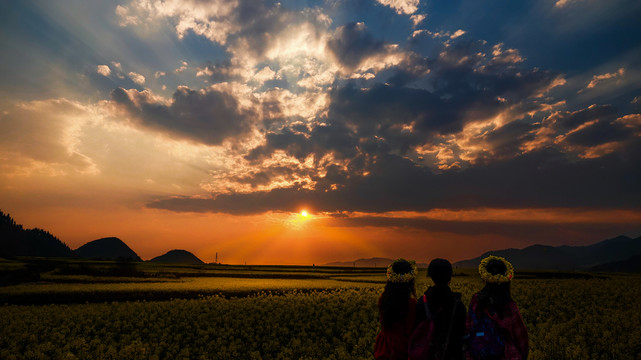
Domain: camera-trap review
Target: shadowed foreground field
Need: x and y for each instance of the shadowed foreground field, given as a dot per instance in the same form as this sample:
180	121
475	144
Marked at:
204	312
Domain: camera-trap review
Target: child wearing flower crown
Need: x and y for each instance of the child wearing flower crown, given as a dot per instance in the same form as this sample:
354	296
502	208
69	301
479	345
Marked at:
494	324
396	309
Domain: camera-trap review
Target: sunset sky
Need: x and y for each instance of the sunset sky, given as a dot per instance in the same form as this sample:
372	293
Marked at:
406	128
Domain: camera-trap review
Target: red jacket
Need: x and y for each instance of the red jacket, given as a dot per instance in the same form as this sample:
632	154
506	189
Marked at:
393	343
516	341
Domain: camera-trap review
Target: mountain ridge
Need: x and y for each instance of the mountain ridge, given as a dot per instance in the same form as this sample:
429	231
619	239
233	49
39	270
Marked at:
564	257
631	265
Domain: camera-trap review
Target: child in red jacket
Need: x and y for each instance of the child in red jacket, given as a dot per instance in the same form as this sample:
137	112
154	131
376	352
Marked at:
396	308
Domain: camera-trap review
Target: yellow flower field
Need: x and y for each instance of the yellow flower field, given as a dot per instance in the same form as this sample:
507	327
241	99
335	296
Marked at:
596	318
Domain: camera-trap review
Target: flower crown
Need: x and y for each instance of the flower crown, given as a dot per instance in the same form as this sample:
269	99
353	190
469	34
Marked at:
401	278
498	278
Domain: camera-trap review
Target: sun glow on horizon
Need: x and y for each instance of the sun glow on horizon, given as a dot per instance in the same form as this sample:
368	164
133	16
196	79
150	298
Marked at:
304	213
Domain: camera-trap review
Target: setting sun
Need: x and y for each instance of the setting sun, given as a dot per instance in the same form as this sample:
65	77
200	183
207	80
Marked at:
304	213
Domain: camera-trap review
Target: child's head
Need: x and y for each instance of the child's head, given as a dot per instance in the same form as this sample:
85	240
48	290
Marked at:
401	271
496	267
440	270
497	273
496	270
402	266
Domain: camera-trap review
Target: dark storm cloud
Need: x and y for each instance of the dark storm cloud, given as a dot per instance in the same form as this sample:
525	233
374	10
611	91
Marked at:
322	139
264	177
508	141
352	43
373	192
464	72
372	130
551	178
260	21
587	128
462	86
295	144
411	69
541	179
599	133
528	231
206	116
458	92
565	121
383	106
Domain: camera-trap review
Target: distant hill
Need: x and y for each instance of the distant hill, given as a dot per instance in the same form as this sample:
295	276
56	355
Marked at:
17	241
371	262
177	256
631	265
110	248
540	257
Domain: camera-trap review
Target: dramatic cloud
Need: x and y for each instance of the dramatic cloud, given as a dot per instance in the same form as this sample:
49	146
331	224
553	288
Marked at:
337	116
352	43
137	78
401	6
632	121
209	19
539	179
389	147
598	78
103	70
209	115
183	67
563	3
591	132
439	34
509	56
417	19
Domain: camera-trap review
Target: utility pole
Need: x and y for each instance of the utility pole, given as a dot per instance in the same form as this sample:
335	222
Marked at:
216	262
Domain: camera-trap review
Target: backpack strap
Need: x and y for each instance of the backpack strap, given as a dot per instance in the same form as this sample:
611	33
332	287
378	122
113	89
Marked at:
449	330
428	313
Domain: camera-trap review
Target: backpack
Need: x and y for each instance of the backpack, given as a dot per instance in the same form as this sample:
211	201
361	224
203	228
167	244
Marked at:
484	341
422	344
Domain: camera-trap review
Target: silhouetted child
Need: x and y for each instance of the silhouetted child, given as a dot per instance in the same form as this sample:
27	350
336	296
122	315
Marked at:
396	308
494	324
445	310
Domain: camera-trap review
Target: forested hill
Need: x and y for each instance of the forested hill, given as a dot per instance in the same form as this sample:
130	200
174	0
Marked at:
110	248
17	241
177	257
